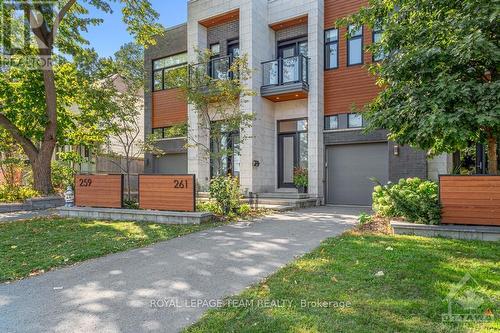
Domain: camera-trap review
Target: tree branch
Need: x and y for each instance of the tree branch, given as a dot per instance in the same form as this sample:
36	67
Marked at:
60	16
28	146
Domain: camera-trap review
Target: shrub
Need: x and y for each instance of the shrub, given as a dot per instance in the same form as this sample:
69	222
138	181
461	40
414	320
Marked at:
225	190
210	207
16	193
244	210
62	175
364	218
413	199
300	178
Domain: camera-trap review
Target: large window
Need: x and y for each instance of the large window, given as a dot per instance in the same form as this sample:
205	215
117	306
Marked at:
225	152
331	48
377	35
168	71
355	46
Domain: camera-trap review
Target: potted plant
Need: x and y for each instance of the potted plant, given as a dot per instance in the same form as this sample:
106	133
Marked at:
300	179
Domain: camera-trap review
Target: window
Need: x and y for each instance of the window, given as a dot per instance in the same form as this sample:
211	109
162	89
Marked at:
226	154
331	48
377	35
354	120
331	122
355	46
167	70
215	49
174	131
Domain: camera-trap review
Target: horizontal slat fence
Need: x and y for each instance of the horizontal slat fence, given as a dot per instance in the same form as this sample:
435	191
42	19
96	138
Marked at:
167	192
103	191
473	200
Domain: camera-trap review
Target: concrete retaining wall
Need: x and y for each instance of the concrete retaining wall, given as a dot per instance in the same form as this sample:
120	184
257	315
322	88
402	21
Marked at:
164	217
33	204
448	231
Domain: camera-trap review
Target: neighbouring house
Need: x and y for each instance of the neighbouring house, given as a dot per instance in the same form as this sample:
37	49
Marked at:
308	77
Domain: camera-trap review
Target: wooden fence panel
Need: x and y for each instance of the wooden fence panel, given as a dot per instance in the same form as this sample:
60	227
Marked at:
471	200
167	192
104	191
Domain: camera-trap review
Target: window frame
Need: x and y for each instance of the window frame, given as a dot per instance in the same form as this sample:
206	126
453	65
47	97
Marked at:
377	30
348	41
330	116
327	45
162	70
349	121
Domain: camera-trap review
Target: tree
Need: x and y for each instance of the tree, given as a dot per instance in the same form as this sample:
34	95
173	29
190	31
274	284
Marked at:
216	88
55	29
440	74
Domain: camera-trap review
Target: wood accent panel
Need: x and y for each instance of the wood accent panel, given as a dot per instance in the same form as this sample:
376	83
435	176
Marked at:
105	191
471	200
287	97
347	86
220	19
289	23
169	107
167	192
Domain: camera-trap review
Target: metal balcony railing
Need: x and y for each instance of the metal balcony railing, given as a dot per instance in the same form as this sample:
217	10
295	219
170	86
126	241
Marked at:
285	70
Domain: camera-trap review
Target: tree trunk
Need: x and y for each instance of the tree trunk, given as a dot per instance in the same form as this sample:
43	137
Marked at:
492	154
42	181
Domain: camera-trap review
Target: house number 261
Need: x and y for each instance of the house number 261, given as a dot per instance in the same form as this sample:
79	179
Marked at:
180	183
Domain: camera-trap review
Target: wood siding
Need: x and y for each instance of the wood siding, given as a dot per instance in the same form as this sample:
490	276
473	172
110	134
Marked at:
103	191
169	108
471	200
347	86
167	192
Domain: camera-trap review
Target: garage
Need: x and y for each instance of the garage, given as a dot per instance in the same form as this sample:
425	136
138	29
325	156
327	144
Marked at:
170	164
349	169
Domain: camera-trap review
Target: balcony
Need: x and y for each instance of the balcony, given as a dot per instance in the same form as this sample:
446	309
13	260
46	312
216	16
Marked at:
217	69
285	79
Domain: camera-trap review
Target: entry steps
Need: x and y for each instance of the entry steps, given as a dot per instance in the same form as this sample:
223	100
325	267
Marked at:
280	201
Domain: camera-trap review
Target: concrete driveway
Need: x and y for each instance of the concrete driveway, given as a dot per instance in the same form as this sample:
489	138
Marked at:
167	286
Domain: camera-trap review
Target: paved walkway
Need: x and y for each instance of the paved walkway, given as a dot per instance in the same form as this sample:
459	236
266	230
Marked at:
115	293
25	215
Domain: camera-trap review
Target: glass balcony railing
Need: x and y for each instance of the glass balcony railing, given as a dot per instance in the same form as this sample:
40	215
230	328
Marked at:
217	68
285	70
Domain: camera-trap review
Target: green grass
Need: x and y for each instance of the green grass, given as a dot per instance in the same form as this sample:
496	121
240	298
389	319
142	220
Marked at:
418	275
30	247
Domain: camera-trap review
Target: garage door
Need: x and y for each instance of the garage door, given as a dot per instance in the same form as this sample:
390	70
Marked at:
349	170
170	164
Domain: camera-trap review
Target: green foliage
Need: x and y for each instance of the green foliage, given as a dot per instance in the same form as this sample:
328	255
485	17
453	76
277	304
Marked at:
300	177
176	131
244	210
413	199
440	78
16	193
62	175
130	204
225	190
364	218
210	207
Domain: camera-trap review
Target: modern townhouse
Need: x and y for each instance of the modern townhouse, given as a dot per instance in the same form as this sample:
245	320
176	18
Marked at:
309	80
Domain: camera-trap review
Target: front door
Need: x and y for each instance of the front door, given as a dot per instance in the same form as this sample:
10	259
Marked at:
287	159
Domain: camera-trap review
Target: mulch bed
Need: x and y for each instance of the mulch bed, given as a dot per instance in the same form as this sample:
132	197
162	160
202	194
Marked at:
378	225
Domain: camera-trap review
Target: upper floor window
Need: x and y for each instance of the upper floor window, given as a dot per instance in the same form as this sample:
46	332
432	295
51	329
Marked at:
331	48
354	120
215	49
331	122
355	45
168	70
377	35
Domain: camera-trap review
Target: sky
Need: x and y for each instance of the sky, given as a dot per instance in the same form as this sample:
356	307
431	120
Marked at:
107	38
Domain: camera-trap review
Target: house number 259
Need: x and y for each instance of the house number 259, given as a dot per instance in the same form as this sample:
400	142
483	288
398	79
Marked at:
180	183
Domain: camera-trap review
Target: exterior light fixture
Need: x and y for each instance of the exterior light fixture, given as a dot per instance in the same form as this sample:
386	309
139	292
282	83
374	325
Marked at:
256	163
396	150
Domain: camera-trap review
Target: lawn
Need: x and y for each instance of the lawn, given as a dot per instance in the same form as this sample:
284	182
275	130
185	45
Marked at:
409	297
34	246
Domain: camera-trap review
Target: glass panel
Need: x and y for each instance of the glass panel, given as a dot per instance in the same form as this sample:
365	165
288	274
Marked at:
303	150
157	80
220	68
331	35
290	70
170	61
270	70
236	155
303	48
376	38
215	49
288	161
331	53
355	51
332	122
302	125
355	31
287	126
288	51
355	120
